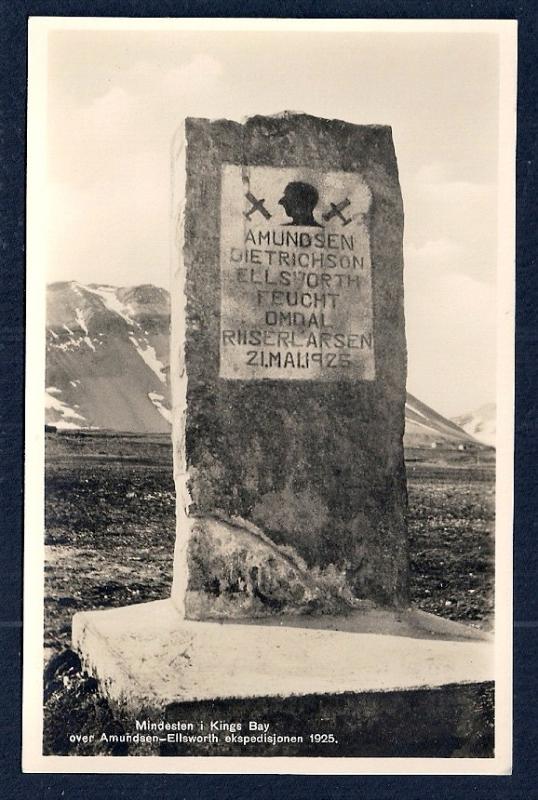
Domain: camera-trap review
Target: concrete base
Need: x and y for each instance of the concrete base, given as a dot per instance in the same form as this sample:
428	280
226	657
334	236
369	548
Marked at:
146	657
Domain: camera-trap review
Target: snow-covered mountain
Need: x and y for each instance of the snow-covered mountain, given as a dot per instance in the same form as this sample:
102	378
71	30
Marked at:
107	357
480	424
108	365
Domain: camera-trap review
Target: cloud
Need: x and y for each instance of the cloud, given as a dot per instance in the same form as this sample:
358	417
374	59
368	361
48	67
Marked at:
451	329
435	253
436	181
138	111
441	208
202	69
110	171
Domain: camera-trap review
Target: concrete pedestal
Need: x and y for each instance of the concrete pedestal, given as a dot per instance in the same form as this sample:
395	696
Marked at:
149	661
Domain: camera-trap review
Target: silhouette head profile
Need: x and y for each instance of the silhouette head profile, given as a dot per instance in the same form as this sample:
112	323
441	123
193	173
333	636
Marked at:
299	201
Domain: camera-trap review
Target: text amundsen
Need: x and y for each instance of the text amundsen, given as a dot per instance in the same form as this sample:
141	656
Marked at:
155	738
287	238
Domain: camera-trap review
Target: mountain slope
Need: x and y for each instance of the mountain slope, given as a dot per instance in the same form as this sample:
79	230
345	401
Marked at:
424	427
107	357
108	365
480	424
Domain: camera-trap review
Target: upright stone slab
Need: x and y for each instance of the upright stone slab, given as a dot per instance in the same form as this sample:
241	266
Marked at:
290	359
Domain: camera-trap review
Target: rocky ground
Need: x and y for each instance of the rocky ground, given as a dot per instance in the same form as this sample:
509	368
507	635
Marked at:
110	537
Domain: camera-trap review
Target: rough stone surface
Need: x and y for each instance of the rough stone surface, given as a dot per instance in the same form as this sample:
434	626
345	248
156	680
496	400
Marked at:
316	463
237	571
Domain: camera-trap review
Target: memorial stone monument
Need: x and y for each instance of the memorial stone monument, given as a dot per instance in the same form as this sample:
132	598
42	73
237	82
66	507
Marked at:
293	359
288	366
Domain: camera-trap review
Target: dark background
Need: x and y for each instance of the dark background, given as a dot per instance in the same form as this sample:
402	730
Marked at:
523	782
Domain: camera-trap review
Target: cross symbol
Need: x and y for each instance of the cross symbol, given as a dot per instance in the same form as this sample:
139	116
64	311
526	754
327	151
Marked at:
257	205
336	211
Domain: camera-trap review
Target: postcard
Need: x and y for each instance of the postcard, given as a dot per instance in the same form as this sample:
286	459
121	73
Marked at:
270	301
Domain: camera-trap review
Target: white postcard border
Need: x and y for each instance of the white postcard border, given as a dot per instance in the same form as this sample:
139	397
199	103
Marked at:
33	760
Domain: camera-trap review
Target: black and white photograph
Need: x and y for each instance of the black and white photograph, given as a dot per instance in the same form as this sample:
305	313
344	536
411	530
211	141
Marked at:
269	416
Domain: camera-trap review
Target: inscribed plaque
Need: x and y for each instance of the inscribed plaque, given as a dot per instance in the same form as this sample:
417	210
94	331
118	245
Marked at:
296	283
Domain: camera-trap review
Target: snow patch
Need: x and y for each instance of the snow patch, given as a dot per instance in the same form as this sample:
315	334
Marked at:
422	425
82	324
54	335
415	410
73	342
67	345
157	399
149	356
53	390
69	331
108	296
65	425
68	414
80	320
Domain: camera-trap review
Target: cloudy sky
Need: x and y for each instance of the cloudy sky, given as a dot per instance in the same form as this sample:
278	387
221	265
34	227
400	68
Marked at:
115	99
